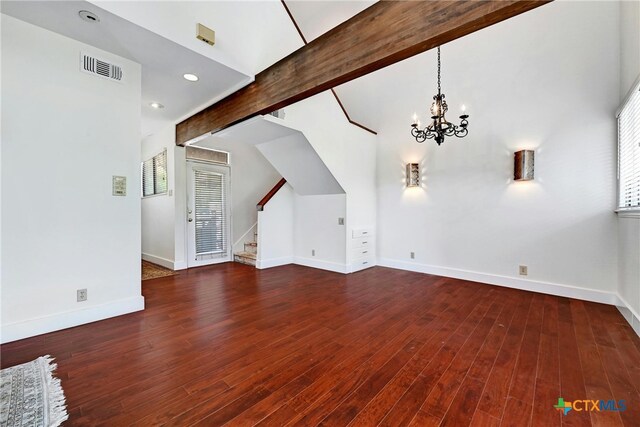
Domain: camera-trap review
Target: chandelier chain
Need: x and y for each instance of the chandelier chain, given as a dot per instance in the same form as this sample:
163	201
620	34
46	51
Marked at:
439	91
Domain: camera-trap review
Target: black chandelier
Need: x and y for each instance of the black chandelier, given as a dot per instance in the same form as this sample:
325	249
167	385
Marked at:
439	127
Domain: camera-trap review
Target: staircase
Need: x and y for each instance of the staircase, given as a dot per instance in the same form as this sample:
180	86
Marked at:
250	252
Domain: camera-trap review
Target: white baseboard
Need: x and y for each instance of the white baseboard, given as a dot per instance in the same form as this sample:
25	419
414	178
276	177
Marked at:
167	263
568	291
68	319
274	262
322	265
629	314
180	265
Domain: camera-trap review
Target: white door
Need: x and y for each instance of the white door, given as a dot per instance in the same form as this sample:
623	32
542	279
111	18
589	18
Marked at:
208	214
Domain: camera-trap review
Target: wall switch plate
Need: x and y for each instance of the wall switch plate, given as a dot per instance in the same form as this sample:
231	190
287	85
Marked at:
413	255
523	270
340	221
82	295
313	252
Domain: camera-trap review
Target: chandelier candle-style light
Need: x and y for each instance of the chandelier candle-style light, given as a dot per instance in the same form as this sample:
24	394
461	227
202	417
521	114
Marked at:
439	127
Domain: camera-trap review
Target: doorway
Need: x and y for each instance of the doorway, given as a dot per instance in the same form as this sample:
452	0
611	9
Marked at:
208	214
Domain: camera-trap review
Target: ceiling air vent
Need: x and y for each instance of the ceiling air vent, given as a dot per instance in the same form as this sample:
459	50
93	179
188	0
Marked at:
278	113
92	65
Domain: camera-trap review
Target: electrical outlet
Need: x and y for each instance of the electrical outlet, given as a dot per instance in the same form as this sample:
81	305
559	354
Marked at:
523	270
413	255
313	252
340	221
82	295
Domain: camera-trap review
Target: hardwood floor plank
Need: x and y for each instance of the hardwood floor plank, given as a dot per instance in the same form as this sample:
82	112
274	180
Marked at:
571	378
595	379
524	375
496	389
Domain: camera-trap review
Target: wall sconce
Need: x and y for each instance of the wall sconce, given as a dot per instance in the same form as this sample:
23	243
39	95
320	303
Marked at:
413	175
523	165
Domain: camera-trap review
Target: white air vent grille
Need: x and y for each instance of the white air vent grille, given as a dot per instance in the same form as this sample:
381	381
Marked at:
278	113
92	65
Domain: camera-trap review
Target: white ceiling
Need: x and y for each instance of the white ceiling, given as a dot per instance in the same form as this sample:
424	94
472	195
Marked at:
160	35
317	17
163	61
250	35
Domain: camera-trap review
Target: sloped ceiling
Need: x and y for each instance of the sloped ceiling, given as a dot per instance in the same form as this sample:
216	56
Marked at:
287	149
250	35
476	70
317	17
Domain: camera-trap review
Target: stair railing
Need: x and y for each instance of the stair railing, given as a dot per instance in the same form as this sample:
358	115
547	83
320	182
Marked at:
270	194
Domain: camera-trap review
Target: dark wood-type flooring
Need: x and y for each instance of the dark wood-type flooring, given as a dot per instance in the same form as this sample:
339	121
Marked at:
295	345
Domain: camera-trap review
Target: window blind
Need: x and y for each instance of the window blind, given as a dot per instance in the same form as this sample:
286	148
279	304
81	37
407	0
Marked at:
629	153
154	175
147	178
160	173
210	213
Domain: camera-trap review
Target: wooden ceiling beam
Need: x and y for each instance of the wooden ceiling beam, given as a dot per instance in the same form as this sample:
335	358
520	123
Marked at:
381	35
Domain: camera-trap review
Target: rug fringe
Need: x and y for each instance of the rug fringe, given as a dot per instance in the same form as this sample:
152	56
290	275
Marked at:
56	400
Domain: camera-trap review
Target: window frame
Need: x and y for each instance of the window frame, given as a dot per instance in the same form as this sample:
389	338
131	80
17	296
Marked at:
634	211
154	175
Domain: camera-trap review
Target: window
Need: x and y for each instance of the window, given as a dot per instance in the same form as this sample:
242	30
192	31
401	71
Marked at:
154	175
629	152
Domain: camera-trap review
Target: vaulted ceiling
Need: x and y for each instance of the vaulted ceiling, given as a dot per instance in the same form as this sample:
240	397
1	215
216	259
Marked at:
251	36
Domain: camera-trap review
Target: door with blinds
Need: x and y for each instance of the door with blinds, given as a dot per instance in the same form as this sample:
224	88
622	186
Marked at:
208	214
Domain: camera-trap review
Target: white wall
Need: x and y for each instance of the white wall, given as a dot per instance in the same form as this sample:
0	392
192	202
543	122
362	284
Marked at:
554	91
629	287
350	154
629	227
316	228
64	135
276	230
180	198
629	44
158	212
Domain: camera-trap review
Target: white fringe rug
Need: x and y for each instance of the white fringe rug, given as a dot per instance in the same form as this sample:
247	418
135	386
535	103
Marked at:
31	396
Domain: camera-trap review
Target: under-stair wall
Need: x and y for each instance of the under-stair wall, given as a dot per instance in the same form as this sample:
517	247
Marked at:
350	154
275	230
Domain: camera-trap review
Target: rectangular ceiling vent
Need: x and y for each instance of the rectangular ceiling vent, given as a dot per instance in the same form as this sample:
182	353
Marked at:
278	113
92	65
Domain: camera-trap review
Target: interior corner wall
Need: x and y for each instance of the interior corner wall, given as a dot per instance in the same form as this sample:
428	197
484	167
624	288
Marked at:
158	211
65	134
553	91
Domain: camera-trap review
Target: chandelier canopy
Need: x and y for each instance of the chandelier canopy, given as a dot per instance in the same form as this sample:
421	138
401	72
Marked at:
439	126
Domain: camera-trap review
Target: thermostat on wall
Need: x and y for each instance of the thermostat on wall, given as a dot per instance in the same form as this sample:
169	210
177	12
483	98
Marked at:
119	185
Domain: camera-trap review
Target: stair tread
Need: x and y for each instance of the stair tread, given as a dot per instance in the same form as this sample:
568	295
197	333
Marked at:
246	255
251	244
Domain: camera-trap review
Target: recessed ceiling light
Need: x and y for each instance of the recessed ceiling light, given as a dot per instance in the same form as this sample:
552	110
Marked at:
88	16
190	77
156	105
